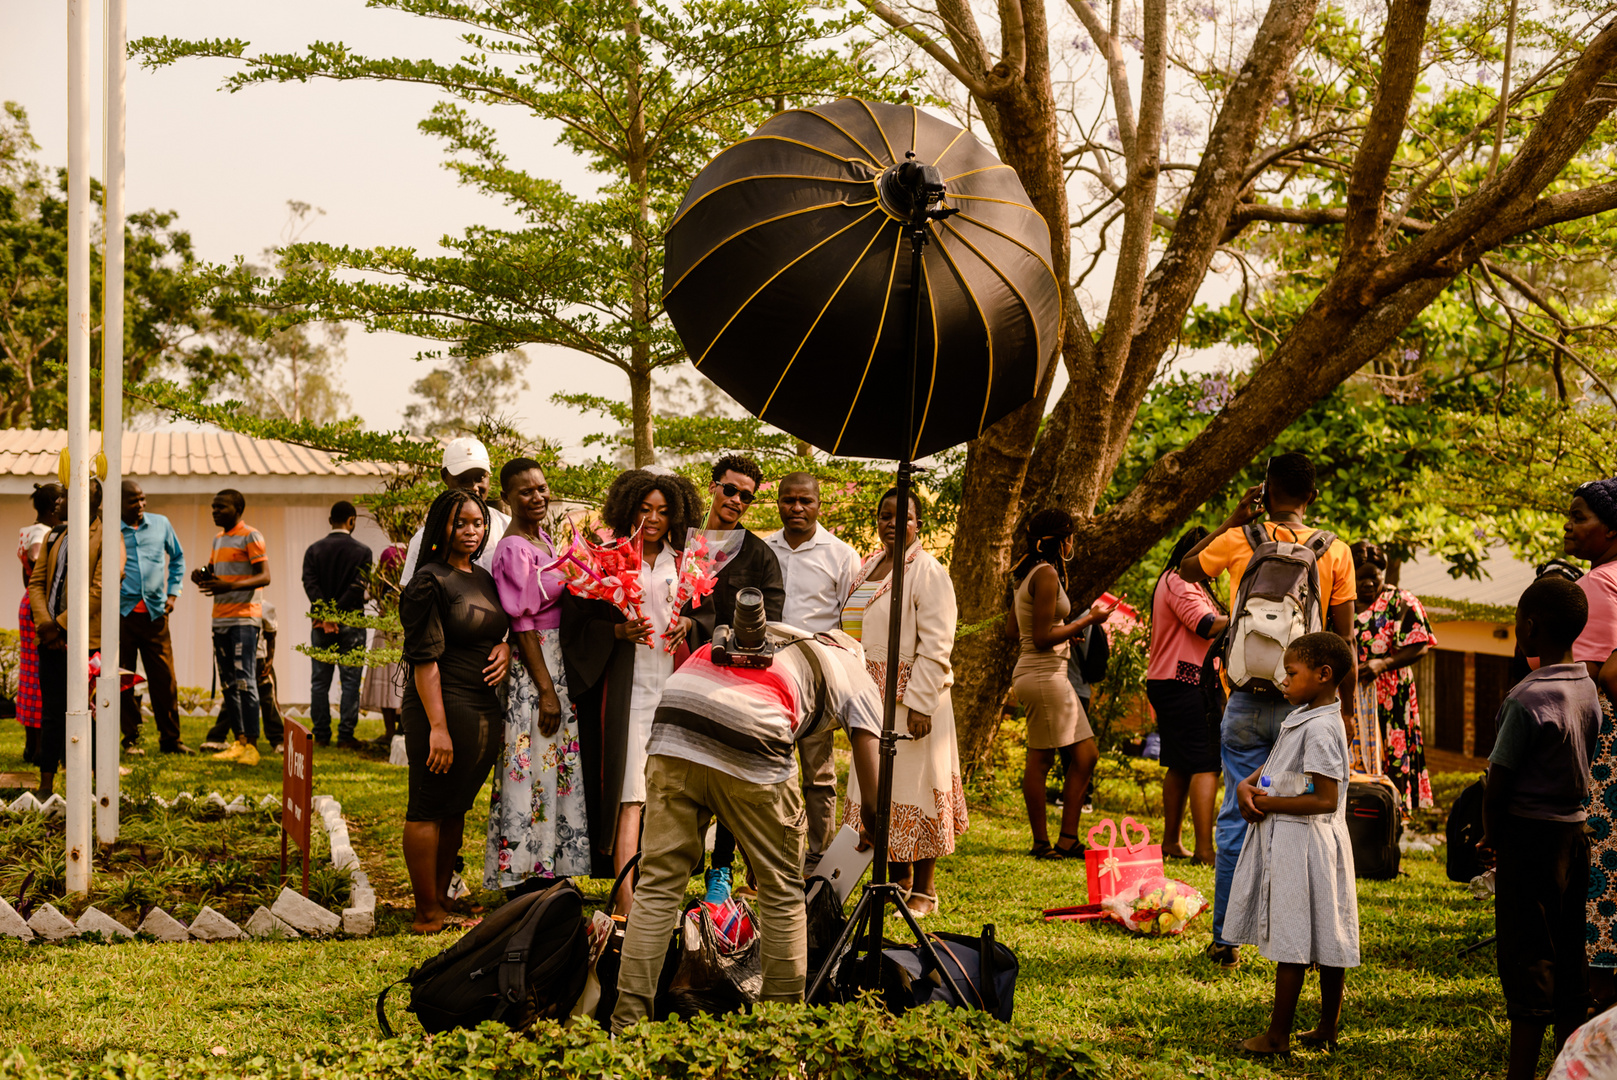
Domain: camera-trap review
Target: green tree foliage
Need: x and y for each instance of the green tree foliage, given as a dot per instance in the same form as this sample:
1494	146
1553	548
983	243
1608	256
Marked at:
644	91
165	311
455	397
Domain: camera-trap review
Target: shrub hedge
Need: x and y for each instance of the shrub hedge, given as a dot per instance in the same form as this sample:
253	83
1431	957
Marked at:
845	1042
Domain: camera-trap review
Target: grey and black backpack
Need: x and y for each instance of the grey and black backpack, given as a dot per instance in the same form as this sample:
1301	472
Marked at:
1278	602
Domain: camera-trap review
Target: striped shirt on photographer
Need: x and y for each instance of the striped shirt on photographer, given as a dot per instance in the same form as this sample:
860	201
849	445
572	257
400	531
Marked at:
745	722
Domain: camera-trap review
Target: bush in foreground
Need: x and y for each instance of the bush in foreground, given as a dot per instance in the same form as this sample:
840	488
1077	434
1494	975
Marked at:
845	1042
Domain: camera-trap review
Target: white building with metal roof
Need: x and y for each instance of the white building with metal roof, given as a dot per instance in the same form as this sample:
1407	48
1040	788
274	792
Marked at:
289	491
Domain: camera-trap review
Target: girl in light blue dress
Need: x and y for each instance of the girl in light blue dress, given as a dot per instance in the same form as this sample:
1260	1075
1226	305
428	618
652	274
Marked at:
1294	893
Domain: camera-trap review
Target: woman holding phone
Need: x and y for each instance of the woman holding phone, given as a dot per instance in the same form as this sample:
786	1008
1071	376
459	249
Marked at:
1056	724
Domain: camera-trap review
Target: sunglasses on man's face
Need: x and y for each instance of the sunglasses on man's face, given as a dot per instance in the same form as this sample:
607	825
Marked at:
731	491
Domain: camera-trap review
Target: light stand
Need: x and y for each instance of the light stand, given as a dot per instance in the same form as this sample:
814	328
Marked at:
912	187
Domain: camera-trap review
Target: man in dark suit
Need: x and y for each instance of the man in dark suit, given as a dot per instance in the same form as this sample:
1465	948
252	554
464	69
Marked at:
736	479
336	570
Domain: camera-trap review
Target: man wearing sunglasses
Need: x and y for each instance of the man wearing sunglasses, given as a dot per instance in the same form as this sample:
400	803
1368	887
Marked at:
735	485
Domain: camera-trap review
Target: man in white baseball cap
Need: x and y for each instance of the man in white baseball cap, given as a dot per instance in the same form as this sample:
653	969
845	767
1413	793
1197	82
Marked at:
466	466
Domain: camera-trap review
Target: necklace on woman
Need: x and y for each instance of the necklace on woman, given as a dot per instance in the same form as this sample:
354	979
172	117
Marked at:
539	538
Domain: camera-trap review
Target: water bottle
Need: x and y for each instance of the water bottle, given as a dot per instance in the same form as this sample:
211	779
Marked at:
1286	784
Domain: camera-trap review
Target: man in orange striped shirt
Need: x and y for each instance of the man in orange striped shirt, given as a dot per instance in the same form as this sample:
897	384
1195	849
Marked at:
238	569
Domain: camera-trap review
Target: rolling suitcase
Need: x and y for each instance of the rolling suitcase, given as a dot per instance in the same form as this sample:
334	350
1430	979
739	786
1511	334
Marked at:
1374	826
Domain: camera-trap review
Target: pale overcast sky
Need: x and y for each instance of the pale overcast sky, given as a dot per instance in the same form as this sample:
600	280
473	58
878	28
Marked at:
228	163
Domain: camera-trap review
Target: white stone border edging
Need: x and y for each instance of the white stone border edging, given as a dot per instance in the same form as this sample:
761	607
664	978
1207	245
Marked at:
292	915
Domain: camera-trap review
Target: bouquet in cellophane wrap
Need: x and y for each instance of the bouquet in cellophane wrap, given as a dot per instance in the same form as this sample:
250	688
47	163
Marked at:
599	566
706	553
1156	906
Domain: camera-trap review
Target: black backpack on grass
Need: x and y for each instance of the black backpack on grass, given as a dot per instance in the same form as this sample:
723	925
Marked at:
526	961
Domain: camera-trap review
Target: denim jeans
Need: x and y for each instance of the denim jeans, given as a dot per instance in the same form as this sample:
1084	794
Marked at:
235	650
1251	725
346	639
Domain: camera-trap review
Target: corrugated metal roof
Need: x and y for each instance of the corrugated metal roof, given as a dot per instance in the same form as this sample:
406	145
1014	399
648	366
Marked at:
182	453
1504	578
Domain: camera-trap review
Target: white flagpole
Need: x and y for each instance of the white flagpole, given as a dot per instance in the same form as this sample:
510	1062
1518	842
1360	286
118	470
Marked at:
109	737
78	444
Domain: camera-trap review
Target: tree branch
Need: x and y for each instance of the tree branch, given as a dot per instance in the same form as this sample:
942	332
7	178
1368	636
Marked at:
1569	206
1492	213
912	31
1116	72
1400	70
1012	38
1246	213
1139	199
1171	286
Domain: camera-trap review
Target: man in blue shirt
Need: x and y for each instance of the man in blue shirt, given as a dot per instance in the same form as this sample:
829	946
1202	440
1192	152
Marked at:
154	572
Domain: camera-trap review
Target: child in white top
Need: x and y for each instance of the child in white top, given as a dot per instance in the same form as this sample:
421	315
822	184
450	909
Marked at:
1294	893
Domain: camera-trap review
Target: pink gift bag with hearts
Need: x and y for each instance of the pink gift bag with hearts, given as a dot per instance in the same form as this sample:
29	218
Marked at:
1111	869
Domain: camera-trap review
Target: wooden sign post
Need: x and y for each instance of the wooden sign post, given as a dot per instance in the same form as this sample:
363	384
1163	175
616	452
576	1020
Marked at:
297	794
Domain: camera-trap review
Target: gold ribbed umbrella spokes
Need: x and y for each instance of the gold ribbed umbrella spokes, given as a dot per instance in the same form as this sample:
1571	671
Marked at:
787	279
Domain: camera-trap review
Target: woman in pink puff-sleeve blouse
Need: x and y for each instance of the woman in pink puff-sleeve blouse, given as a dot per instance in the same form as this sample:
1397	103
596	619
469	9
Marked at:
536	821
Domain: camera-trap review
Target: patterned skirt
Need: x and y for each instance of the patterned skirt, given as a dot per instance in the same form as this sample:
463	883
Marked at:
536	819
1601	917
929	805
29	705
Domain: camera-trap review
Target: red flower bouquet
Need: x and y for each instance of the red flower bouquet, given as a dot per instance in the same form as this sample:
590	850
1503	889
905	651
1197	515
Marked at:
599	567
705	554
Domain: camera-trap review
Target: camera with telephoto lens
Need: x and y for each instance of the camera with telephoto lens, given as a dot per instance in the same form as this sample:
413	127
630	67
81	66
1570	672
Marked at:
744	644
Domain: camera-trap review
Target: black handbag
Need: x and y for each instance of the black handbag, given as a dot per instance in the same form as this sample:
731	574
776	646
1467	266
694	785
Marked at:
983	969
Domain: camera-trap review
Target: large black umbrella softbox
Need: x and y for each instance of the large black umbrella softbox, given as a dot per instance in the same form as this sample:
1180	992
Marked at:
787	276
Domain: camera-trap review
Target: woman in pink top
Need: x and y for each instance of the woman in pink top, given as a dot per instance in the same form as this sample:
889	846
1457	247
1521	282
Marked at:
1591	533
1184	618
536	822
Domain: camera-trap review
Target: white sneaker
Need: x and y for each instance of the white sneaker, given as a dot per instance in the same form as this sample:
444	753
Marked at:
280	747
213	745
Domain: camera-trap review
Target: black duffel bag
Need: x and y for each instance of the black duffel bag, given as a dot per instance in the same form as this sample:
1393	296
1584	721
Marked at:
525	961
983	969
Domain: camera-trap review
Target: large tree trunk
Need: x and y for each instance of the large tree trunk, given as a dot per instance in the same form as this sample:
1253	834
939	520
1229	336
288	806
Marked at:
1375	291
641	422
1021	113
645	451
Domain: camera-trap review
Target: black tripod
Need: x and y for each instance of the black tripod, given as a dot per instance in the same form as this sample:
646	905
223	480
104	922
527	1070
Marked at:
907	193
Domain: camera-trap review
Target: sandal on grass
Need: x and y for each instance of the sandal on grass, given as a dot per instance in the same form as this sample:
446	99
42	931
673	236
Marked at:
1316	1041
1039	848
922	896
1076	851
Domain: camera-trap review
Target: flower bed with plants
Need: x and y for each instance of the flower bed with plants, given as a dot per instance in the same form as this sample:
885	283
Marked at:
184	856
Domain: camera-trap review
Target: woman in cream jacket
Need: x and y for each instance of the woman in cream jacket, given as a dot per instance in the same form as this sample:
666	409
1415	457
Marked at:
929	807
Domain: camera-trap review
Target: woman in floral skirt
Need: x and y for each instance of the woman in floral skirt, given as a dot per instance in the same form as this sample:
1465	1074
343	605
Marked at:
1392	633
536	823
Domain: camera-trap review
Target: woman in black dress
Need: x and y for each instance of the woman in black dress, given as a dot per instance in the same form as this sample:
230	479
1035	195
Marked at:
455	649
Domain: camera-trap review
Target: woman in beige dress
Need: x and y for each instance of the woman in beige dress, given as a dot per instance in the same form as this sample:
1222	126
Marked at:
929	805
1056	724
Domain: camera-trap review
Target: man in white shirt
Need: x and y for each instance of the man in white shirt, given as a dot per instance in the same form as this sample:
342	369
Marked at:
819	569
466	466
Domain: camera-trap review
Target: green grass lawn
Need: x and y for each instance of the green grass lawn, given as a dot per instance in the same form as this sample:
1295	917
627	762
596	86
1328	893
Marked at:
1153	1006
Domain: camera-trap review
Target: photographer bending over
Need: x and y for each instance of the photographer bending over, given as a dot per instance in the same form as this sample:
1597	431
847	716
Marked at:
722	743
